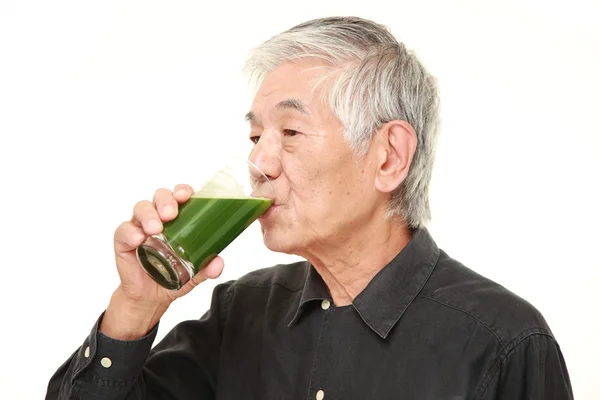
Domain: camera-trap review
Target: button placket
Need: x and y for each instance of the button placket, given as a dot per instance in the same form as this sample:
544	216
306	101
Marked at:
322	361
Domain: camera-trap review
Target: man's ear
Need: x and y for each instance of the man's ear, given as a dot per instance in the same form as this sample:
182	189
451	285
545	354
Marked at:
397	142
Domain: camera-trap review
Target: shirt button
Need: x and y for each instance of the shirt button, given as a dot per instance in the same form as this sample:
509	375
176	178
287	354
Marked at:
106	362
325	304
86	353
320	395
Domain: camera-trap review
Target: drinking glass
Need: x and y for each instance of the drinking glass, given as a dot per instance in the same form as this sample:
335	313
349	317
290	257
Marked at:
216	214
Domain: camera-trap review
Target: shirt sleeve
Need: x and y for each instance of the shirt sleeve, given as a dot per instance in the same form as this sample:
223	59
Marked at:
182	366
534	369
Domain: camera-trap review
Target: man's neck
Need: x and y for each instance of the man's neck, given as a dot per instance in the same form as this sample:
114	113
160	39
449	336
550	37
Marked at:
348	266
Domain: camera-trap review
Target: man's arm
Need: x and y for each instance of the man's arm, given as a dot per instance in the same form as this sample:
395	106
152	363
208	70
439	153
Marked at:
532	369
182	366
114	361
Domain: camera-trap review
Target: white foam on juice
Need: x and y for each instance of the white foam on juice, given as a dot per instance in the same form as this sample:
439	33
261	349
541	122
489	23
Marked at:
222	185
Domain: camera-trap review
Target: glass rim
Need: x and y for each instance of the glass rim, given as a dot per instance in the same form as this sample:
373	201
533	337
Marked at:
266	178
243	172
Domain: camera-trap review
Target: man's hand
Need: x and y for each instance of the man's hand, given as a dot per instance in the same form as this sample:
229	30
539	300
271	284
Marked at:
139	302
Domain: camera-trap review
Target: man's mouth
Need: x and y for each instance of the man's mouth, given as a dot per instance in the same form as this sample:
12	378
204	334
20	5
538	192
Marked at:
269	212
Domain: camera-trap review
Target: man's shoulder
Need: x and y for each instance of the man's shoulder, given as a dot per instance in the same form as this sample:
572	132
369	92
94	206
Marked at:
288	276
508	316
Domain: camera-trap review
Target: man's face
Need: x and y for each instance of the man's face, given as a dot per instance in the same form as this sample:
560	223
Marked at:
322	193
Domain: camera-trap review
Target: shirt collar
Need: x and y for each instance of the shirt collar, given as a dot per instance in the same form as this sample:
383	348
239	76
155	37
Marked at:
314	289
385	299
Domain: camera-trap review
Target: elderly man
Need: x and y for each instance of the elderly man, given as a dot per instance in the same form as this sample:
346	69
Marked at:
344	123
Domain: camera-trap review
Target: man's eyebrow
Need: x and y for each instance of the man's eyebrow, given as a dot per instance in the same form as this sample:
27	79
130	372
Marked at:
294	104
250	117
287	104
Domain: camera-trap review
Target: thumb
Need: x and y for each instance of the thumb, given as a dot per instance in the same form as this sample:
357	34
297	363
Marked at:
212	271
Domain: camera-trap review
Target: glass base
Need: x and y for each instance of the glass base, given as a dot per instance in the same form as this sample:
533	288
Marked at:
163	264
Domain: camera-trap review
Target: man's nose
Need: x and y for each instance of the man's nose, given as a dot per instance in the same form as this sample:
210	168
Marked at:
266	156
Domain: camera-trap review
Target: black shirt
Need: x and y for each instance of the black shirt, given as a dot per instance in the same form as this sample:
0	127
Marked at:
425	327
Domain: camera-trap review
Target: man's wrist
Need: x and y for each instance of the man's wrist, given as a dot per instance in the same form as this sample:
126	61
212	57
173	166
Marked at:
126	319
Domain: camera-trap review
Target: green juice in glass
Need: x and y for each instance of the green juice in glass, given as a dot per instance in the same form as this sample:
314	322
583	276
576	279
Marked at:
203	228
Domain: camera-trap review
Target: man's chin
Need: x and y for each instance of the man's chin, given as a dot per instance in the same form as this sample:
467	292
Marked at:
275	242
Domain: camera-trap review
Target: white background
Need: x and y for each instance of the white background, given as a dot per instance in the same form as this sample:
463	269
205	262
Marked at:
103	102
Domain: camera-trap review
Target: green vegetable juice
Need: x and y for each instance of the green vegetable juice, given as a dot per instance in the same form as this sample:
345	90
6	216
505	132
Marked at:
206	225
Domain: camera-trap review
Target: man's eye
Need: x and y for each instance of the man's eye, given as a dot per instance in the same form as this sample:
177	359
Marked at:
255	139
291	132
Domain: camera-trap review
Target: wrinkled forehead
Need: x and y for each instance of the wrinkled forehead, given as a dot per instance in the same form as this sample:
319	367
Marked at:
292	87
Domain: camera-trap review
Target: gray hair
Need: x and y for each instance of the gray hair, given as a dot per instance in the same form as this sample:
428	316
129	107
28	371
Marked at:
374	79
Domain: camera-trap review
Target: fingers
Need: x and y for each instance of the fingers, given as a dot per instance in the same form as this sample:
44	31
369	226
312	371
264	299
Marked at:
182	193
146	216
128	237
166	205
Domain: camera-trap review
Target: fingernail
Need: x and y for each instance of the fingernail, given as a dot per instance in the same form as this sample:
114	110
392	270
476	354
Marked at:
153	225
168	210
179	192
